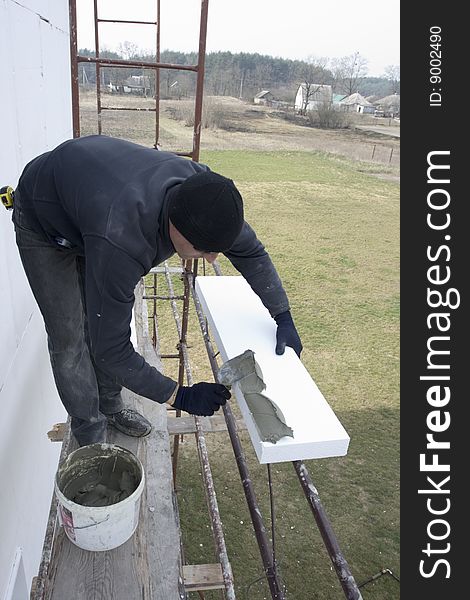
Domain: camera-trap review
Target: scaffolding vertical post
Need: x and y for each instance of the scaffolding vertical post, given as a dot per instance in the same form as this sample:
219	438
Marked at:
98	66
200	80
157	80
74	68
183	331
154	311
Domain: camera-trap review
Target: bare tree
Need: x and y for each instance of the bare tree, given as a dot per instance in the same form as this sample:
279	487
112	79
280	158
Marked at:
347	71
313	75
129	50
262	76
392	73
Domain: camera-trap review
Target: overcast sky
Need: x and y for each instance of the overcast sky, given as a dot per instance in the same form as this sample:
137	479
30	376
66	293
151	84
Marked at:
297	29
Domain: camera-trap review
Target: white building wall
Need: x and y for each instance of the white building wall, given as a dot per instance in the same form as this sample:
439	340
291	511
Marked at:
35	116
298	102
319	94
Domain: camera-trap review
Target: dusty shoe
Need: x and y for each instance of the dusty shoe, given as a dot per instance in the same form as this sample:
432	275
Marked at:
130	422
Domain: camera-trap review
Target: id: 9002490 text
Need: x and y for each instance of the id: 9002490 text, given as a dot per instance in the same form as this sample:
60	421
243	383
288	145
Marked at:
435	63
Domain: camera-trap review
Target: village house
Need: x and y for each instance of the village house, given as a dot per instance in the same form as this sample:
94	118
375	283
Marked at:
264	97
357	103
312	96
389	106
135	84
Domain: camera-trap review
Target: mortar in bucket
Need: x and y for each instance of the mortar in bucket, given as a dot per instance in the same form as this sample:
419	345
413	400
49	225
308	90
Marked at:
99	488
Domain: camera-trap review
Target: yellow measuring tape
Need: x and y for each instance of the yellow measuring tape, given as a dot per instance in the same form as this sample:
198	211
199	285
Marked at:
7	195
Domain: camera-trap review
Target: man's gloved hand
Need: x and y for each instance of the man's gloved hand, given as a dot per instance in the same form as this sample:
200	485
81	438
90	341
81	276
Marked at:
286	334
202	398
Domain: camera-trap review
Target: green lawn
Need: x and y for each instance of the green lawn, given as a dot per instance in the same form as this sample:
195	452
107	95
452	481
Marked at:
332	231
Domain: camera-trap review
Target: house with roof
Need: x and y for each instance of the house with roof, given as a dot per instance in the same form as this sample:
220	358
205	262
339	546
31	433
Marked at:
312	96
134	84
390	105
264	97
338	98
357	103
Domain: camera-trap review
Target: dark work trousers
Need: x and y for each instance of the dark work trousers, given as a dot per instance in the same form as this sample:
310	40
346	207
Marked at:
57	278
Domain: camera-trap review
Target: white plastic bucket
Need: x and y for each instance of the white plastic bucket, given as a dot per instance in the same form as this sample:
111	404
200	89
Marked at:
99	527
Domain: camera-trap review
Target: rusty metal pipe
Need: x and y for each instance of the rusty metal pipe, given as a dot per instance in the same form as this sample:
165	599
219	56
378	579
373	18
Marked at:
200	80
127	109
119	62
124	21
273	513
182	356
346	579
188	154
157	78
183	330
98	65
74	69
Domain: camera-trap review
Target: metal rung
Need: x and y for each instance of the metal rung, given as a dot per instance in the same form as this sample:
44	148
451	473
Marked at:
128	108
123	21
117	62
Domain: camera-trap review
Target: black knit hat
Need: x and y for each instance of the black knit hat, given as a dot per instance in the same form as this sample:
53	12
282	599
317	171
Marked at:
208	211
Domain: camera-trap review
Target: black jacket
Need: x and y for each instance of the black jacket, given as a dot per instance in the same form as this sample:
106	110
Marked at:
109	198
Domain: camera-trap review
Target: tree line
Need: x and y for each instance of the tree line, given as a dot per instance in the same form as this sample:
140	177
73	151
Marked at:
243	75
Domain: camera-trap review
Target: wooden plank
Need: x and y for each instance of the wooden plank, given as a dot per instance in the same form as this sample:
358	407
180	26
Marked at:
239	322
34	585
185	425
203	577
57	432
173	270
148	566
46	565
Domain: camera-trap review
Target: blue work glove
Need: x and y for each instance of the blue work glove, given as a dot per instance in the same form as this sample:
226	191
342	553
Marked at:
201	398
286	334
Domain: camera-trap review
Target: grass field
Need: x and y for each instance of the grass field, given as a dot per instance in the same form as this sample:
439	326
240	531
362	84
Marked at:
330	224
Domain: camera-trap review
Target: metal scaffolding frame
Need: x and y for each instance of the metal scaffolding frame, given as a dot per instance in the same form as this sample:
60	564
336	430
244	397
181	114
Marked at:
101	62
189	272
